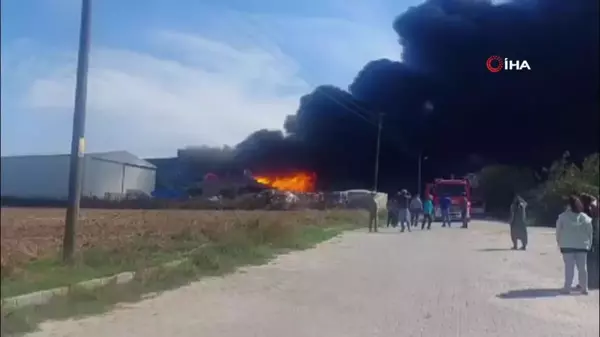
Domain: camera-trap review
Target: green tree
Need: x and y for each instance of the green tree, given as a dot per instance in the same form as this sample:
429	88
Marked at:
565	178
498	184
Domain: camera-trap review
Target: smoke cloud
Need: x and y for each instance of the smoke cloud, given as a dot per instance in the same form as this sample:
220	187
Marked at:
443	103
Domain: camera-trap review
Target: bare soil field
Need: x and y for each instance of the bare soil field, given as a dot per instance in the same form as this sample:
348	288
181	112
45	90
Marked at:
32	233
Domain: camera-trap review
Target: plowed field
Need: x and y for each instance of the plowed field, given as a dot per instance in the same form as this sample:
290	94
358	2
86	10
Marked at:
31	233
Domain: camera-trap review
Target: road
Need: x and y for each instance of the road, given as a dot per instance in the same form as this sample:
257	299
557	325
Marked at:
438	283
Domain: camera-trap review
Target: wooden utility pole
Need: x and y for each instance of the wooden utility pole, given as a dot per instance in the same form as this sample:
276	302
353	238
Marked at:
78	138
377	152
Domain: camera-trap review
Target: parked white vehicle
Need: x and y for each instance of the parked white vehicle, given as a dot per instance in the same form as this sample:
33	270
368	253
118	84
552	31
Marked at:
380	198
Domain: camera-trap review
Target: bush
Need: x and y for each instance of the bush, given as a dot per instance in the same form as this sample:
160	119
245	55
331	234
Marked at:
564	178
498	185
546	197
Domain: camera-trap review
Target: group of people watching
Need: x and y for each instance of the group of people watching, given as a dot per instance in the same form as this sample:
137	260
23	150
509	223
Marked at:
576	236
405	211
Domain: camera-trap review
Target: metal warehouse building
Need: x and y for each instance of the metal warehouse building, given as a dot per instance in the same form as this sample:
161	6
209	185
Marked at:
106	174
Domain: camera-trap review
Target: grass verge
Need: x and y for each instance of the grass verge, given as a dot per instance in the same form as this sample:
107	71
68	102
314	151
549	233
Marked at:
250	244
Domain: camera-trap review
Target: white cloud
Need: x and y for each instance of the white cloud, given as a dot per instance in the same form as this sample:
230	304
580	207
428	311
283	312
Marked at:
213	94
338	46
237	73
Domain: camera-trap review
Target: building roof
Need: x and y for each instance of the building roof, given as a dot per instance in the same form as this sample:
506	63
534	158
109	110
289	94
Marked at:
121	157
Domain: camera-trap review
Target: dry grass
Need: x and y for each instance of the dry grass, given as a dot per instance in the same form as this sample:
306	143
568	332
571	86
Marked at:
213	242
28	234
31	237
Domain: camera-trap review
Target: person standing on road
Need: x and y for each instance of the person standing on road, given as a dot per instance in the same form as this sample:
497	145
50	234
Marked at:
392	212
590	207
445	204
574	235
416	208
427	212
464	210
518	222
366	202
403	210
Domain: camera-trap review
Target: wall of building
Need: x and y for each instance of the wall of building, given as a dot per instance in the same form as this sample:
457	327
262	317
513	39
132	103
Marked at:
44	177
140	179
102	177
47	177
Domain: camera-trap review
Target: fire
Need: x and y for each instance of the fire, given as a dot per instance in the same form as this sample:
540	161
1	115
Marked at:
295	182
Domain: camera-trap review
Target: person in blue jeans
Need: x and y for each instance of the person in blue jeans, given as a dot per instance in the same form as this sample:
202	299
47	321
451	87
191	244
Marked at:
445	203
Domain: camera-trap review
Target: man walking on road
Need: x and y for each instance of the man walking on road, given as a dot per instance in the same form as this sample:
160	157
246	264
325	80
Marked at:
416	208
445	203
427	212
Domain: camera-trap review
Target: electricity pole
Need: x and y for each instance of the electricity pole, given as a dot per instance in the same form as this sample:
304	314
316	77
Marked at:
78	139
419	175
378	149
427	109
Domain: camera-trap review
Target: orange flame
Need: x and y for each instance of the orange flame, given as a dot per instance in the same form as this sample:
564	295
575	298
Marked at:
295	182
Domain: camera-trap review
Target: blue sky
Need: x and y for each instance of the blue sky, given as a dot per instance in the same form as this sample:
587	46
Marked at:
165	74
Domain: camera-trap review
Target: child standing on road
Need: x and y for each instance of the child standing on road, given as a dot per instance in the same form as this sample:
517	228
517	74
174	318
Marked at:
427	212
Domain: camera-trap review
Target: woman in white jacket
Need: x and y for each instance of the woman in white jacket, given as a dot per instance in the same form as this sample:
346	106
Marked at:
574	237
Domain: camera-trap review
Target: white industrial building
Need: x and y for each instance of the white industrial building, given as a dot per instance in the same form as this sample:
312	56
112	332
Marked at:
105	175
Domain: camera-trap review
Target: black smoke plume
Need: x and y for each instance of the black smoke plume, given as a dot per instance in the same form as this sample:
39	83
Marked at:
478	117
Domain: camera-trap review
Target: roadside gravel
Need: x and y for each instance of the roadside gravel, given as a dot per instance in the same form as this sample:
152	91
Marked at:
438	283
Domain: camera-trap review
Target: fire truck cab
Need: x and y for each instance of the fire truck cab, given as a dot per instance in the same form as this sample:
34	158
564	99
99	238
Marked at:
456	189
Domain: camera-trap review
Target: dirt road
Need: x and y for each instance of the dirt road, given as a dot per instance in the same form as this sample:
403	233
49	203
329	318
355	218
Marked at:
438	283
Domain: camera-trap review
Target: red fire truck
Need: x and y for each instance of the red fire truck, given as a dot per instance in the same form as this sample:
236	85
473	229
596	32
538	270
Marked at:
453	188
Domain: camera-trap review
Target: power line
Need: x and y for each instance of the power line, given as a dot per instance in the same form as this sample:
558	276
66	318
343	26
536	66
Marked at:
348	109
400	148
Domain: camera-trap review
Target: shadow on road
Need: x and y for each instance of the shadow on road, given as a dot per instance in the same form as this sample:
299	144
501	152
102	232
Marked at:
396	231
530	293
494	250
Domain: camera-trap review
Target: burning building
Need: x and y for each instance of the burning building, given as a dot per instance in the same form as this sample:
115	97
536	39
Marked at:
293	182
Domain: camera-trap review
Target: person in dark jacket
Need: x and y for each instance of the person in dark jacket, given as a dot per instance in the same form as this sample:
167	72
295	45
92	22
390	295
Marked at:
404	210
392	212
366	202
518	222
590	207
